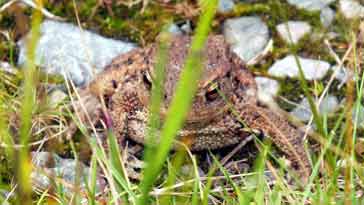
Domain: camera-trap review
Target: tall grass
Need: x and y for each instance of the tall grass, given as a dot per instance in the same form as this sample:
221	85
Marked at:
181	101
23	166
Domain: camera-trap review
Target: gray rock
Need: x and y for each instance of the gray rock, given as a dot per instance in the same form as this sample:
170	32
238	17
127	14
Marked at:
56	97
328	105
351	9
49	165
45	159
225	5
183	27
247	36
293	31
188	169
6	196
186	27
312	69
327	16
67	170
310	5
343	74
267	89
65	49
174	29
6	67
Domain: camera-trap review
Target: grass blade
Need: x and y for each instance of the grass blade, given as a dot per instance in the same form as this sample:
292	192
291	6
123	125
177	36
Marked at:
28	102
182	100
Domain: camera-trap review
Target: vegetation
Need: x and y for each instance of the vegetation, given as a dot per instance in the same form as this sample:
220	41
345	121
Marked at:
27	118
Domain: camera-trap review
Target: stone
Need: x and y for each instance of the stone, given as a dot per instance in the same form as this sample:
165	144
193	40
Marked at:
225	6
247	36
56	97
351	9
186	28
6	196
310	5
183	27
287	67
267	89
328	105
49	165
45	159
343	73
7	68
174	29
67	50
293	31
327	16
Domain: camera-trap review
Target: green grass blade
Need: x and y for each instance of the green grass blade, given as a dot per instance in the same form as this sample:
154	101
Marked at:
182	100
28	102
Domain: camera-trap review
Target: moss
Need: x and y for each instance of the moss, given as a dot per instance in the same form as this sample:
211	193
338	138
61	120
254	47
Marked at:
243	9
8	50
345	27
280	11
6	168
118	22
292	91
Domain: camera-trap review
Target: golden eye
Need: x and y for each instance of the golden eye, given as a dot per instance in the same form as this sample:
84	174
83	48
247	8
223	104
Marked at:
212	93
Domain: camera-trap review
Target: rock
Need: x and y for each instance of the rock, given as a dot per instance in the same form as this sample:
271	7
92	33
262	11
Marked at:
6	67
293	31
47	166
328	105
186	27
351	9
6	196
183	27
343	74
225	6
327	16
247	36
174	29
310	5
312	69
65	49
45	159
267	89
56	97
188	170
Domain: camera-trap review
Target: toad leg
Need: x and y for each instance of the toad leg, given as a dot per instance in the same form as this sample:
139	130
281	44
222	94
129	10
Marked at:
124	104
286	137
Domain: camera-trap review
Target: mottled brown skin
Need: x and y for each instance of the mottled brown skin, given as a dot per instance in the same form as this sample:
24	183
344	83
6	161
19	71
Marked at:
211	123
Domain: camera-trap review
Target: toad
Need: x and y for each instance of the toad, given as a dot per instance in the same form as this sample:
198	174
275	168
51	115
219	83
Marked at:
224	105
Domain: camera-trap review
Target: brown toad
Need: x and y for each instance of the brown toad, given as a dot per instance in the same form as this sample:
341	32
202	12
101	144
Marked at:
212	122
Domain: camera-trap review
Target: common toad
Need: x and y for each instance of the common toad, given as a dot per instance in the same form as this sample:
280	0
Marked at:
212	122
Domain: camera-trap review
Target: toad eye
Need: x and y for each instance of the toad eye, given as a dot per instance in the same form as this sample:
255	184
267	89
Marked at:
147	80
212	92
